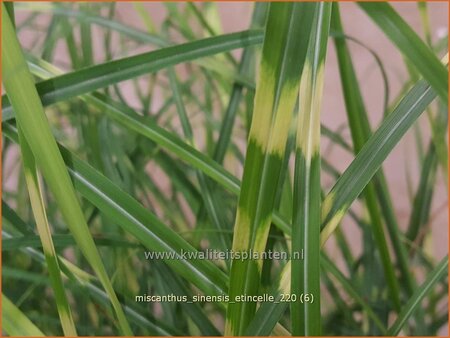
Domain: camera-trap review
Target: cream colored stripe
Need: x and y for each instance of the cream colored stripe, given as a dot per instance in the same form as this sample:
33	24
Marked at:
262	111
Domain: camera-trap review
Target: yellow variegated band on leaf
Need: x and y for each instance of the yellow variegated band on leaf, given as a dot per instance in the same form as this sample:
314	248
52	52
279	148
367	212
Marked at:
284	51
264	98
305	274
311	87
38	207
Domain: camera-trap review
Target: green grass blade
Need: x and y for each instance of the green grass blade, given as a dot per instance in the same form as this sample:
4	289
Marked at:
338	34
145	17
51	39
86	38
423	10
30	116
372	155
305	277
439	272
70	42
439	126
98	76
422	201
60	241
411	46
10	10
284	51
14	321
360	133
37	204
269	313
45	236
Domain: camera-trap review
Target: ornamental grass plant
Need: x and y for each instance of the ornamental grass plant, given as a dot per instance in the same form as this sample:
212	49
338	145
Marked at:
169	177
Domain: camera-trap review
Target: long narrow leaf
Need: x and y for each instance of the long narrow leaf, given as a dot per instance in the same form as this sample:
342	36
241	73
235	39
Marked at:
437	274
37	204
31	117
372	155
408	42
98	76
305	277
14	321
422	200
360	132
284	51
